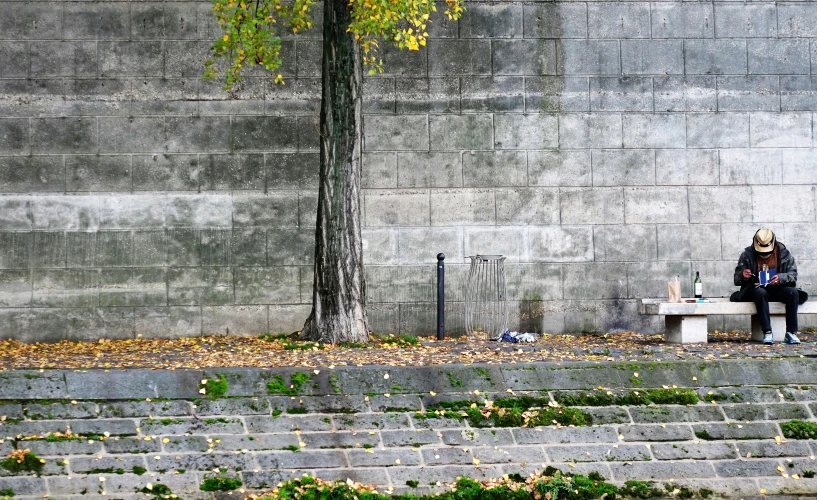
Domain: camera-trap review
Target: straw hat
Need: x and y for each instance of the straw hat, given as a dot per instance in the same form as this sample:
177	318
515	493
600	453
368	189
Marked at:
764	240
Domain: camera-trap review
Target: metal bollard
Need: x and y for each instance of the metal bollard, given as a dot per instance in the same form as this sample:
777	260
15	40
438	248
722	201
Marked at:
440	296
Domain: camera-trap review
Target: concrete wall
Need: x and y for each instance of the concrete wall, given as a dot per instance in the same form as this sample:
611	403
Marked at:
601	146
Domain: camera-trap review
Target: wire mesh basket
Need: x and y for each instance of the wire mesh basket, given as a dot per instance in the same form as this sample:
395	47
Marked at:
486	303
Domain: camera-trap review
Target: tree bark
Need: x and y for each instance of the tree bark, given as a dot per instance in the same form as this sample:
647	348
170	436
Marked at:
339	291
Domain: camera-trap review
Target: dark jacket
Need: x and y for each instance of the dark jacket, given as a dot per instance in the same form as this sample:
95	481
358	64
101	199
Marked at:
786	270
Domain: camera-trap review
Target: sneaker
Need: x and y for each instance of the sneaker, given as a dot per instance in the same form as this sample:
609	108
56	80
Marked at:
791	338
767	338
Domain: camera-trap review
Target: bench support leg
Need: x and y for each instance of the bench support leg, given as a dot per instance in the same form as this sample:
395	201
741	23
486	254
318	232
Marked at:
778	327
685	329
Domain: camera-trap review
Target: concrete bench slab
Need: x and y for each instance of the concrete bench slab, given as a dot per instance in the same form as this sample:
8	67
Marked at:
685	322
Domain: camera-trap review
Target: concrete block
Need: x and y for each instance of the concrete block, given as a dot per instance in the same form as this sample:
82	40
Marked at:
421	245
428	95
215	247
512	242
594	281
261	133
579	130
232	172
748	93
528	131
656	205
685	242
49	324
63	58
693	93
132	134
130	58
745	21
456	132
15	288
618	243
379	246
623	167
396	207
402	133
160	96
682	20
267	285
797	20
48	249
649	279
61	135
237	320
750	166
686	167
559	168
132	211
200	286
718	130
551	93
15	250
467	207
652	57
715	57
167	322
203	134
590	57
459	57
780	130
616	20
592	205
380	96
561	244
16	213
798	93
290	247
249	247
160	21
720	204
132	287
526	206
654	131
778	57
534	283
149	248
23	174
524	57
379	170
80	249
183	58
14	58
163	172
308	58
492	21
98	173
84	97
494	168
65	212
555	20
307	208
799	166
85	21
662	471
498	93
22	21
296	95
801	197
275	209
114	249
418	170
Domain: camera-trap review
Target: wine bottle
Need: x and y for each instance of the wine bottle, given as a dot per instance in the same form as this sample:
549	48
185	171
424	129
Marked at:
698	286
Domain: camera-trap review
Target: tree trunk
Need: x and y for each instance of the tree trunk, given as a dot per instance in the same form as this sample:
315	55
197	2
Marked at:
339	293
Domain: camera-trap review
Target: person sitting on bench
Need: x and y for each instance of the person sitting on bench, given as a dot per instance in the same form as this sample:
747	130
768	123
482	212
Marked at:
767	255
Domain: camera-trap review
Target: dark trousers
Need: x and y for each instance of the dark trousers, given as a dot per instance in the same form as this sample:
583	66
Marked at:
762	296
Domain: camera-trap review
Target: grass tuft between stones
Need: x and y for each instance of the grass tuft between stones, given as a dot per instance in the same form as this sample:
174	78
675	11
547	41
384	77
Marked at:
798	429
22	461
216	388
297	379
631	398
220	483
525	411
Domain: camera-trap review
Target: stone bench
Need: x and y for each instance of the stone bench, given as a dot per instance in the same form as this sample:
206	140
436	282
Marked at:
686	322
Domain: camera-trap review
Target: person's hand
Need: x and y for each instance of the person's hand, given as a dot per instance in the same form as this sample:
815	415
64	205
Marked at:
747	273
775	280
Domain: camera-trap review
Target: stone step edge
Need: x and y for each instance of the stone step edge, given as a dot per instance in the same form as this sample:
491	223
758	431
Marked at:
377	379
